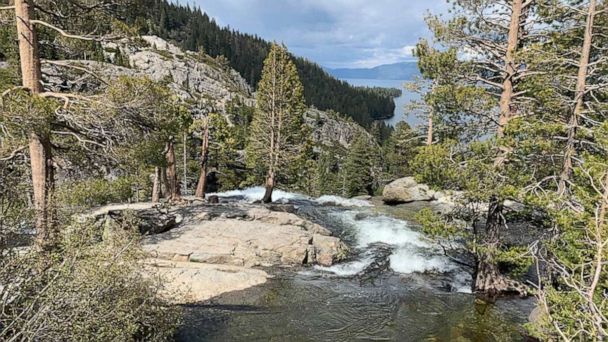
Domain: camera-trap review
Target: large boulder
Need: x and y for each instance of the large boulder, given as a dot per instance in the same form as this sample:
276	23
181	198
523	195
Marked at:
247	236
406	190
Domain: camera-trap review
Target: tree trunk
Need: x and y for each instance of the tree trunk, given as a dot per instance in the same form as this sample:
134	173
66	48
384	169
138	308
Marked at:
506	97
488	279
269	188
39	143
156	187
173	191
43	185
28	46
581	86
429	133
202	180
164	184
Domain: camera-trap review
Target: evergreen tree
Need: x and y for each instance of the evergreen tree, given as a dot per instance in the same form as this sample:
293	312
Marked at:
360	172
329	180
275	138
493	36
400	149
566	150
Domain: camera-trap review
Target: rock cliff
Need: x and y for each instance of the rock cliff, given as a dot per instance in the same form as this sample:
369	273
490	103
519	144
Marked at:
206	83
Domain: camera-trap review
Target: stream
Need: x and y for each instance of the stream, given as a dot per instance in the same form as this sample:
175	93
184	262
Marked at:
395	286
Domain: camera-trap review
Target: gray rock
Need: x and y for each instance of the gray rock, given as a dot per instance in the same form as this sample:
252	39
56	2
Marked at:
192	282
329	129
250	236
406	190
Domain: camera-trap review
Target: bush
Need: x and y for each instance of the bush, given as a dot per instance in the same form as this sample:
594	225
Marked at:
96	192
85	290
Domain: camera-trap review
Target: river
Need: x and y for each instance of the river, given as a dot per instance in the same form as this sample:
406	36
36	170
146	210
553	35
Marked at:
396	286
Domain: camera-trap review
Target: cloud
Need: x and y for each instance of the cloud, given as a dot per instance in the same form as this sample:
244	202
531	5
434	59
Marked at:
333	33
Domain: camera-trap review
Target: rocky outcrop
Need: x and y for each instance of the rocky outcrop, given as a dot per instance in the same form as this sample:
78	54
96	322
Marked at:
247	236
406	190
188	282
191	75
204	250
329	129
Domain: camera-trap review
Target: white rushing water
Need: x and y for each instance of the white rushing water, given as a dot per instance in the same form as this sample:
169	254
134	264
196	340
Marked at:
256	193
412	252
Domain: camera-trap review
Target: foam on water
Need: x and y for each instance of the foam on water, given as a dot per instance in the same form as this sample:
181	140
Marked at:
341	201
348	269
256	193
412	252
408	260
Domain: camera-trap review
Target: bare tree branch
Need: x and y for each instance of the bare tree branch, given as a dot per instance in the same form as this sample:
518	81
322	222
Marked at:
62	32
13	154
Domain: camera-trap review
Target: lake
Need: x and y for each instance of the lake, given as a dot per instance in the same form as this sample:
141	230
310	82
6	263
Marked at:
401	114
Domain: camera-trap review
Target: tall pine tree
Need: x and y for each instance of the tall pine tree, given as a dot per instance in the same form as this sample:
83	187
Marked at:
275	137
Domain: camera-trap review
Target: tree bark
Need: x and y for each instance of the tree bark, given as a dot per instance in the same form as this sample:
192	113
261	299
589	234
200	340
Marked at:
156	187
28	46
506	97
429	133
39	142
581	86
43	184
488	279
269	188
164	184
173	191
202	180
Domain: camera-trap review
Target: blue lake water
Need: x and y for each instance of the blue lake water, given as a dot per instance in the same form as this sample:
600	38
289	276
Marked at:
401	112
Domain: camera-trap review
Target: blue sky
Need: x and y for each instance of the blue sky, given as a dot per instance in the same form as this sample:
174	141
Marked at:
333	33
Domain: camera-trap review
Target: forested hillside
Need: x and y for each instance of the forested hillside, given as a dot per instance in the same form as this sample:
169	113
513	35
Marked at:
194	30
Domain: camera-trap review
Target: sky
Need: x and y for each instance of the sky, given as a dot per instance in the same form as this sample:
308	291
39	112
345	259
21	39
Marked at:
333	33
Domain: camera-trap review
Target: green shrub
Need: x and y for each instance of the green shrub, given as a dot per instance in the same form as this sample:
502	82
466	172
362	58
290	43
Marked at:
95	192
85	290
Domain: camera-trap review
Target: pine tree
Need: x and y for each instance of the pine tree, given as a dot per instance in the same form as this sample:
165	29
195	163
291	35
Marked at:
400	149
493	36
275	137
360	168
567	153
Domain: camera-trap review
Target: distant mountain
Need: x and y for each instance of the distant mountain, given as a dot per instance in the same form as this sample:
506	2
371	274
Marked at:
397	71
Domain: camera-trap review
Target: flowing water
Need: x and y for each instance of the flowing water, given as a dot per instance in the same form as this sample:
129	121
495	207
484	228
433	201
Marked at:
396	286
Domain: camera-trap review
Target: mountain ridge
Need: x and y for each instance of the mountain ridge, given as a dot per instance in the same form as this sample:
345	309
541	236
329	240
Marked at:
395	71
